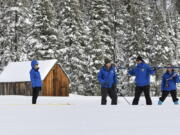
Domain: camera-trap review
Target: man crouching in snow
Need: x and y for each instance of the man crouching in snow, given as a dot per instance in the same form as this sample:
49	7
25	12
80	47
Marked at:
107	78
35	80
168	85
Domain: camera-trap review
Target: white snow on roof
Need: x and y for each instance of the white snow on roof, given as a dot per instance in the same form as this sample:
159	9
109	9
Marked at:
19	71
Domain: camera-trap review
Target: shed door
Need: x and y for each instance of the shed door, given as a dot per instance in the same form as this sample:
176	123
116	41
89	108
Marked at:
59	82
56	80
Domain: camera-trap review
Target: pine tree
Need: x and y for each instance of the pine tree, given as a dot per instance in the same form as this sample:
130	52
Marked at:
43	39
75	41
161	49
15	24
81	33
138	41
178	5
122	35
101	40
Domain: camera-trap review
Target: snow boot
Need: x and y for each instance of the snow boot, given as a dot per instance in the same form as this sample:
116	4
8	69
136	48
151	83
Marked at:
176	103
160	102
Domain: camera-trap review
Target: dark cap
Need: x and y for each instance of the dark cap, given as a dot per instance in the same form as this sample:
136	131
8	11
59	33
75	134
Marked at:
106	61
139	58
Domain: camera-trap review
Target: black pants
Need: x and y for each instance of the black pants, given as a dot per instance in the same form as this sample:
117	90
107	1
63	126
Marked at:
166	93
112	94
138	91
35	94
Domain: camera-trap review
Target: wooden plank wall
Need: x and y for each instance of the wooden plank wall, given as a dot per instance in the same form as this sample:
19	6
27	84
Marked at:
48	85
56	83
62	82
19	88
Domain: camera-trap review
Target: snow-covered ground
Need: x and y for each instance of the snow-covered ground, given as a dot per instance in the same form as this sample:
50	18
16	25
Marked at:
82	115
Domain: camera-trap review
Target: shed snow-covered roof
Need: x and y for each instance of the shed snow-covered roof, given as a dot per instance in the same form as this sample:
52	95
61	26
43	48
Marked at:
19	71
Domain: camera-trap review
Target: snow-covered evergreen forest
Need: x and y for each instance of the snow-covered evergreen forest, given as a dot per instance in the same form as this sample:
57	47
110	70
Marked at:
81	33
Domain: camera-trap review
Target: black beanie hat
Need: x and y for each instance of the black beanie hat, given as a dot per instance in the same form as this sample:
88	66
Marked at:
139	58
106	61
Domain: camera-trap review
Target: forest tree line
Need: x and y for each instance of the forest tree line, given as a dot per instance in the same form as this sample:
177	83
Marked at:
81	33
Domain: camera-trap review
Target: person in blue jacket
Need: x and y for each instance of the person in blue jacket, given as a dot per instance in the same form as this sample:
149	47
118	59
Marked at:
142	73
35	80
108	79
168	85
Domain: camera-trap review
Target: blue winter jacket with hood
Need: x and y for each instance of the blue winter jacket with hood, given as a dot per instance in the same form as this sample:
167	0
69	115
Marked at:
142	73
169	81
107	78
35	75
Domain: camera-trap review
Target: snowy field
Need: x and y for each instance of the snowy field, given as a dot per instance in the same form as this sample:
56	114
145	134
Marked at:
80	115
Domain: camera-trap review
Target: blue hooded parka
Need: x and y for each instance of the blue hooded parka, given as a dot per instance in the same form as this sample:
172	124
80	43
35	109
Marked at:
169	81
35	75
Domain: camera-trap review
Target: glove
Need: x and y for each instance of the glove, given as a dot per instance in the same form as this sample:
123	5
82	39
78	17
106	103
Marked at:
127	65
155	68
130	68
114	86
174	75
117	90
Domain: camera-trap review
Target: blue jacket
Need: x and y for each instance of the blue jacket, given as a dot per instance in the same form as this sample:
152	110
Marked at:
107	77
142	73
35	75
170	84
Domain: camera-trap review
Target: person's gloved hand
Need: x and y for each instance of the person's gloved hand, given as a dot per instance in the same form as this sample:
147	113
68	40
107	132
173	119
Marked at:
127	66
117	90
114	86
155	68
174	75
130	67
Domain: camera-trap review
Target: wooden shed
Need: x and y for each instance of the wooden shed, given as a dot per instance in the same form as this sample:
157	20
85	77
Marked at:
15	79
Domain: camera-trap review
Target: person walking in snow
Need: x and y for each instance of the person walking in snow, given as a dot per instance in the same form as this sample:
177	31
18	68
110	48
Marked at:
35	80
107	78
168	85
142	73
